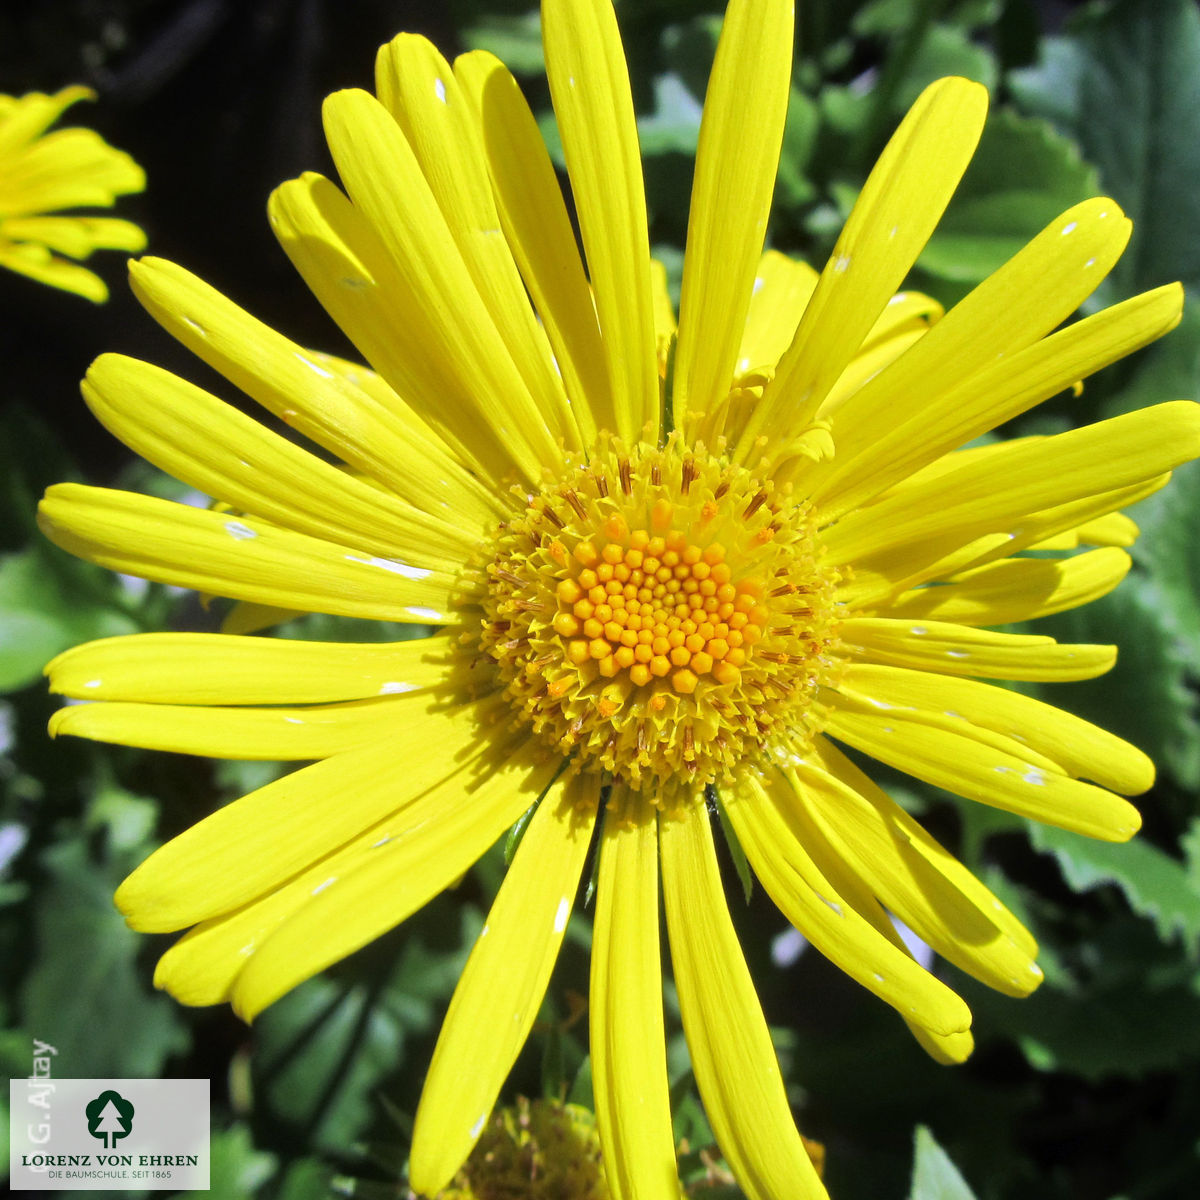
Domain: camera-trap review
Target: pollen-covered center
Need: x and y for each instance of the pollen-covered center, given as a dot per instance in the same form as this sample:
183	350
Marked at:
660	615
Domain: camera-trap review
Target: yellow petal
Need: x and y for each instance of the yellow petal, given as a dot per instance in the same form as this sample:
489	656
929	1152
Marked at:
75	236
447	323
741	132
916	879
219	451
416	85
276	734
774	844
629	1053
538	230
37	263
951	649
377	435
727	1037
254	844
238	557
1017	589
1026	477
1082	749
26	117
589	85
502	985
965	394
446	831
951	753
213	668
342	258
781	291
899	206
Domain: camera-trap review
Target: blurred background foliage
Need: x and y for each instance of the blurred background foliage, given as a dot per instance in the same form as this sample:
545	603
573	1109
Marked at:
1089	1090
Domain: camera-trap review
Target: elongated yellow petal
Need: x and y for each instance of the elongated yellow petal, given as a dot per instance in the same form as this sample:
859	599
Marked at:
877	843
254	844
776	851
278	733
1079	747
344	261
497	997
37	263
781	291
28	116
934	860
76	236
981	394
589	85
899	206
446	830
629	1052
954	754
419	89
741	132
727	1036
538	229
213	668
224	454
238	557
1025	478
951	649
376	435
450	327
1018	589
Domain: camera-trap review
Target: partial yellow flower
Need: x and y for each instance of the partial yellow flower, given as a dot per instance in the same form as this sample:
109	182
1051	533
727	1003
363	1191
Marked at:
42	174
675	568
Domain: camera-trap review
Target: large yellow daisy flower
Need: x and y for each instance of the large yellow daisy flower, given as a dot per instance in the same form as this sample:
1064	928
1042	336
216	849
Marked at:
43	173
674	568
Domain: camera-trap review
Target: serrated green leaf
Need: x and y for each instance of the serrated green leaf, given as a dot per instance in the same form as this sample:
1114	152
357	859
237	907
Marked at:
1023	175
934	1176
1125	84
1155	885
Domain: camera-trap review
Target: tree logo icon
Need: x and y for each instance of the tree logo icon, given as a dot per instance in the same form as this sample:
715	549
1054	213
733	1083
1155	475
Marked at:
109	1117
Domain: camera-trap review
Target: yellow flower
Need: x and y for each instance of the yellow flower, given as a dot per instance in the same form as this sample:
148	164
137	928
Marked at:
673	567
41	174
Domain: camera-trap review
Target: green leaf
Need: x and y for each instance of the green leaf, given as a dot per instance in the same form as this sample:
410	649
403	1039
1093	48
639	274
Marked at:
945	50
515	40
1126	85
674	126
1022	176
1155	885
934	1176
48	602
86	993
238	1169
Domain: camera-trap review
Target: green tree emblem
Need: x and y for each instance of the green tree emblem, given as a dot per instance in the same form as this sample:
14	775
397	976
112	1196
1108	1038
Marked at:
109	1117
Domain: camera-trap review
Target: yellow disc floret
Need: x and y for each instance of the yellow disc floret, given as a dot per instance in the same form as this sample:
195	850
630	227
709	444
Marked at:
661	615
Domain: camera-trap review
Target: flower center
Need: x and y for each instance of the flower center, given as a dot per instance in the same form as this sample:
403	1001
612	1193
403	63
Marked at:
661	615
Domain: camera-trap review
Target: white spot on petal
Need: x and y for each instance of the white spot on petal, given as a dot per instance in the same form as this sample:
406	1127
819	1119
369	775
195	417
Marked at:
322	886
918	631
477	1128
391	564
238	531
312	366
395	687
841	264
561	915
958	654
758	284
93	683
440	88
1070	227
1033	775
425	614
